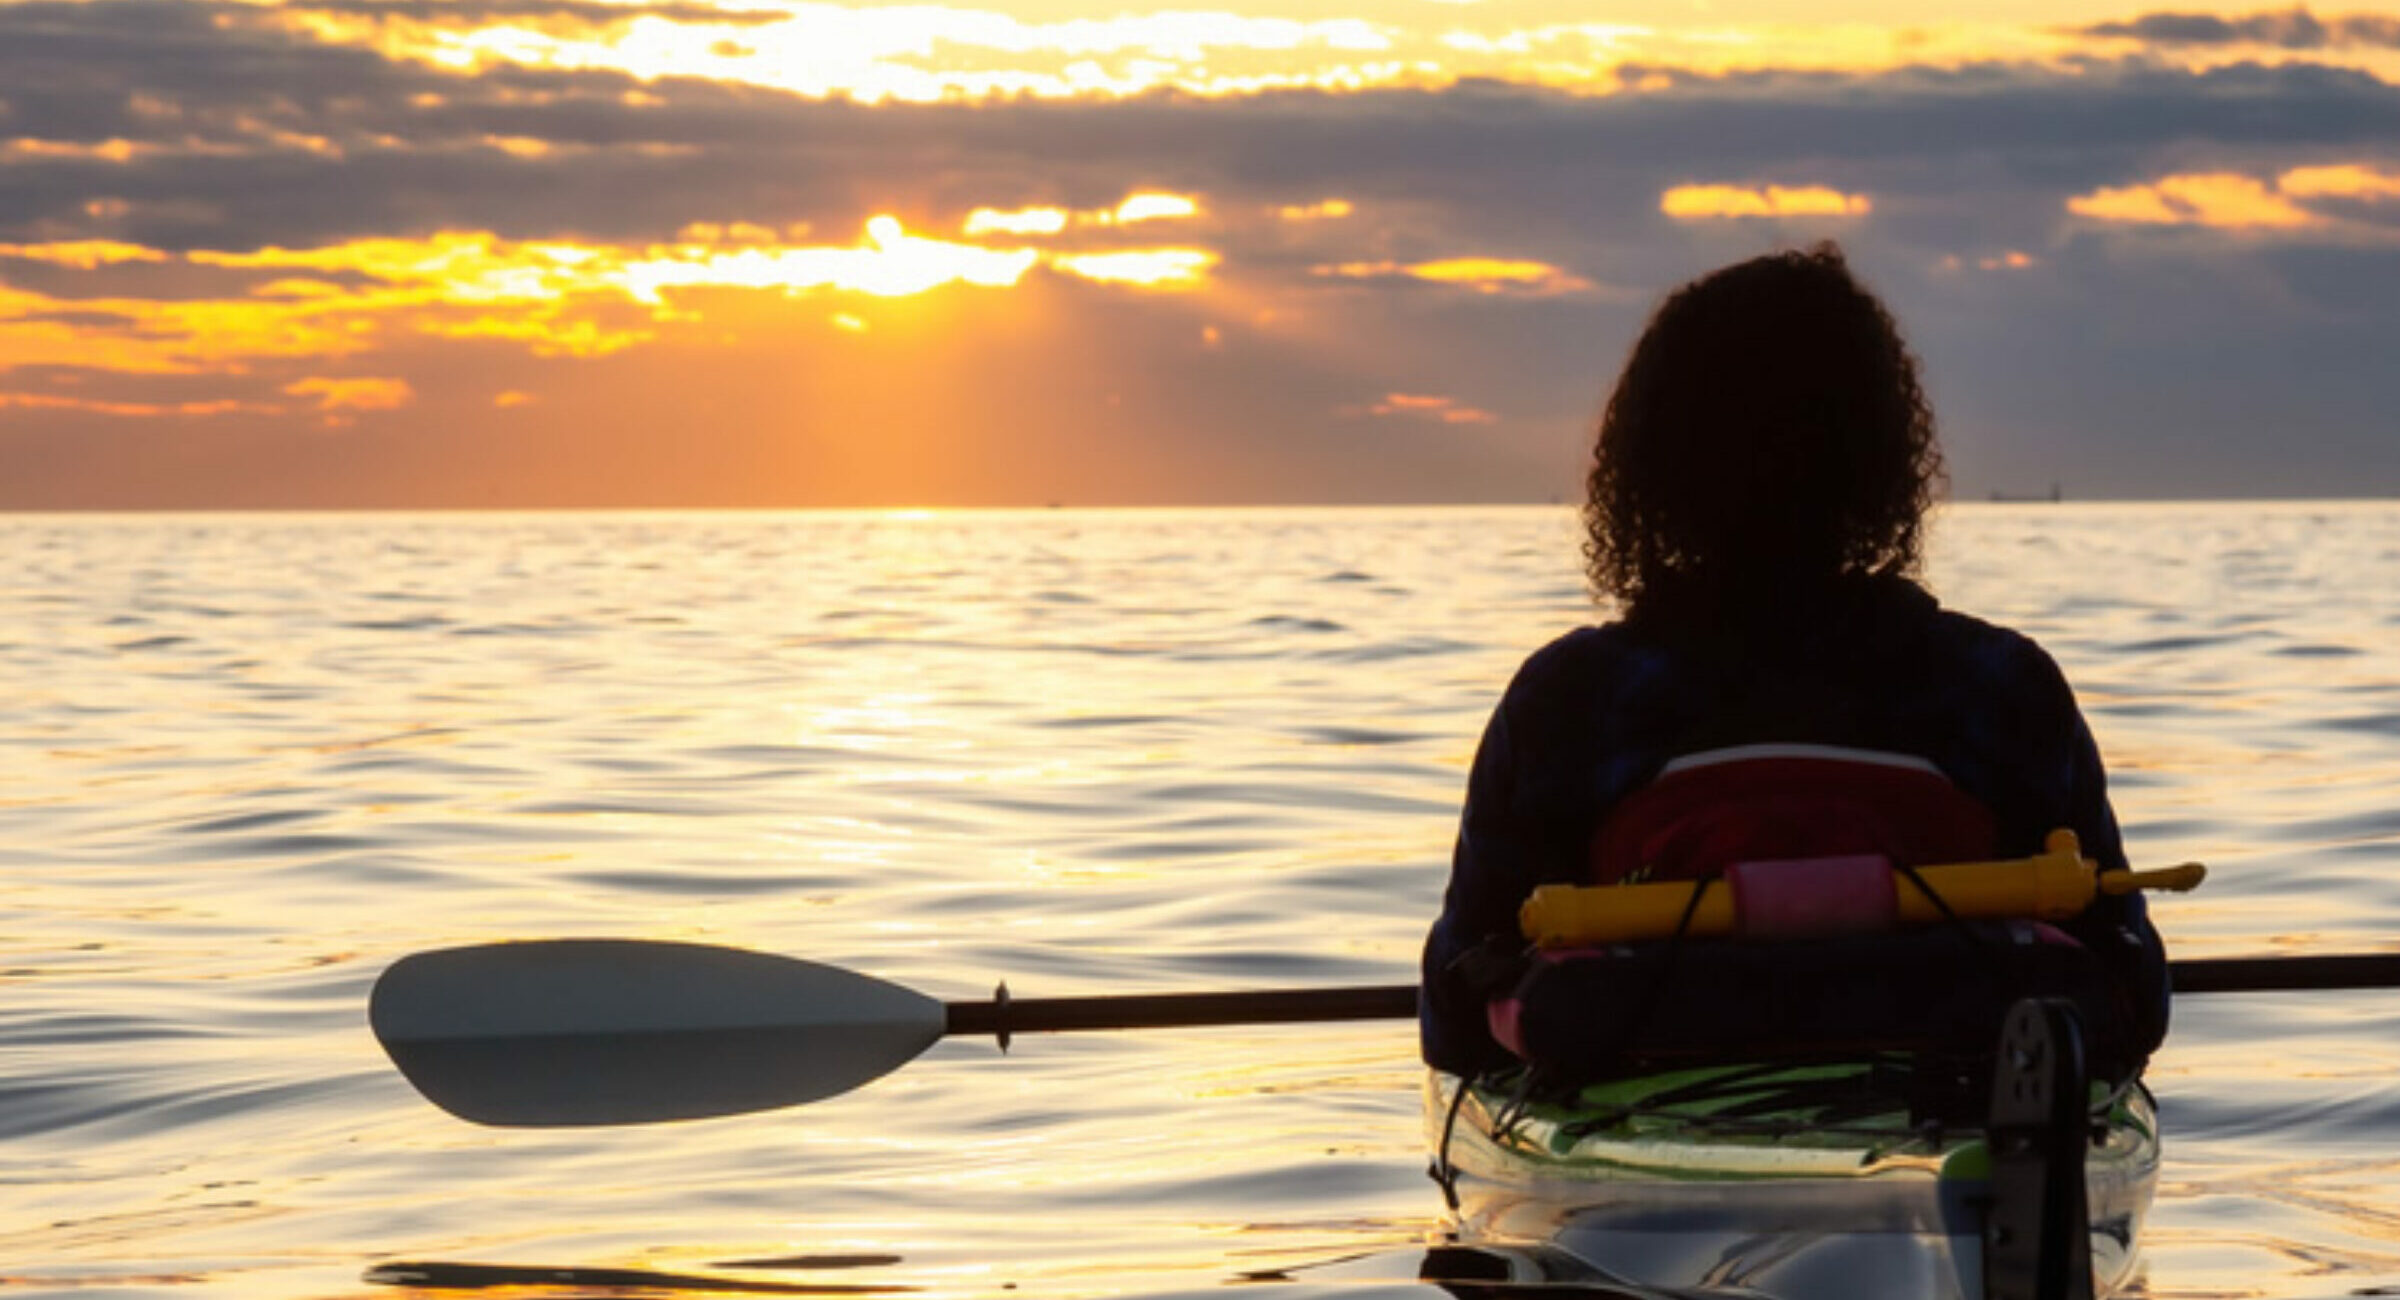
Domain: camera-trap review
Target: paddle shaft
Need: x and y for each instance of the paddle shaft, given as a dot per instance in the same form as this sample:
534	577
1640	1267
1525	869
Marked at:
1004	1016
2321	974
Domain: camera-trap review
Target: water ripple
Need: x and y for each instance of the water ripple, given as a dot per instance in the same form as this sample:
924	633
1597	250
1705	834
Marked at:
258	759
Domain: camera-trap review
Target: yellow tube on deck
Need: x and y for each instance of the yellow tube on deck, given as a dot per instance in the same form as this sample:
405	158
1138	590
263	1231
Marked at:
2053	885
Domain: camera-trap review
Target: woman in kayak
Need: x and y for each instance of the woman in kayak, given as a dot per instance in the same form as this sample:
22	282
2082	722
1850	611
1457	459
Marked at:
1755	509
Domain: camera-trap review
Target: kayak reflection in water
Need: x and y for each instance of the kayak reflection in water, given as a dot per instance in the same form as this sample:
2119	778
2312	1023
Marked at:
1776	685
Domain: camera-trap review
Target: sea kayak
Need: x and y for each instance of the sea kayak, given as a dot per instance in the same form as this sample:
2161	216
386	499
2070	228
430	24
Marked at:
1784	1180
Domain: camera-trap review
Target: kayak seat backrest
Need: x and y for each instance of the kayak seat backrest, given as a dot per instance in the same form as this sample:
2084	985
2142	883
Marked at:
1708	811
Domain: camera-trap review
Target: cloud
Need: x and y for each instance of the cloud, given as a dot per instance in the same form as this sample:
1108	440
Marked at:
1428	406
1164	268
82	254
1155	207
2347	181
891	263
1483	274
1135	209
2011	259
1322	210
1026	221
2289	29
353	394
119	409
1718	202
2234	201
2224	200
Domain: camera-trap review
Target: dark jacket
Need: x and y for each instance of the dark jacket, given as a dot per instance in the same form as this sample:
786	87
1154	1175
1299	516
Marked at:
1867	663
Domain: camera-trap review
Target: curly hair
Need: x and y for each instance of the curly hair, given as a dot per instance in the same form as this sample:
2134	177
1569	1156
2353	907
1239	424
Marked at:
1768	430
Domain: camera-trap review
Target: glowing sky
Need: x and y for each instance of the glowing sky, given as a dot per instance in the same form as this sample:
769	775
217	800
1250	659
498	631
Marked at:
767	252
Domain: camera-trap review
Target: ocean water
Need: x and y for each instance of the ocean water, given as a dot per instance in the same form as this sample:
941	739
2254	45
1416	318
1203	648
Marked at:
250	761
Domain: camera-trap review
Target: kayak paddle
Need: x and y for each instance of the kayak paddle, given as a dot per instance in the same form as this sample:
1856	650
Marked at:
574	1032
569	1032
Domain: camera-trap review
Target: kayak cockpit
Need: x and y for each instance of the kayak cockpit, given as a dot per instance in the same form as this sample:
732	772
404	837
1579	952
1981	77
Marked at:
1803	1179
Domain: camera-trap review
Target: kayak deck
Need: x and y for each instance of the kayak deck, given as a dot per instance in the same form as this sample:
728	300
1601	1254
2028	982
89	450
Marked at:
1784	1180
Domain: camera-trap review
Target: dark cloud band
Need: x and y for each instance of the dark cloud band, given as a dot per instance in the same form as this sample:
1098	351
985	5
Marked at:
2292	29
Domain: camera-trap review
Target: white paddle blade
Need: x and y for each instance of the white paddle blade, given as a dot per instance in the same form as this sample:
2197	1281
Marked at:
574	1032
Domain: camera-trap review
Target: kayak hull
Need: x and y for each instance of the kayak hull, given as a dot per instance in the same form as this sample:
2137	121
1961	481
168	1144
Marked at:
1729	1194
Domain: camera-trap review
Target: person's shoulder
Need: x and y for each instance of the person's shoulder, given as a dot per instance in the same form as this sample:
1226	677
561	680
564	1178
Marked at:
1589	670
1992	652
1582	652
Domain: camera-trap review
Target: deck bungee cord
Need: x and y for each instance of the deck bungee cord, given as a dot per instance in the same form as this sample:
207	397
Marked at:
1443	1172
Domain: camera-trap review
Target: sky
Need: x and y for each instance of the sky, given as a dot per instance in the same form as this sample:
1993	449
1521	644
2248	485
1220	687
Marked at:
689	253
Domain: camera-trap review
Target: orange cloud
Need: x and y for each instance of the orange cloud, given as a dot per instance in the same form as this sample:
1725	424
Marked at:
891	264
1158	268
1024	221
30	148
2349	181
131	410
1154	207
1328	210
1424	406
2224	200
1483	271
1720	202
1485	274
2233	201
1134	209
354	394
82	254
2010	260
